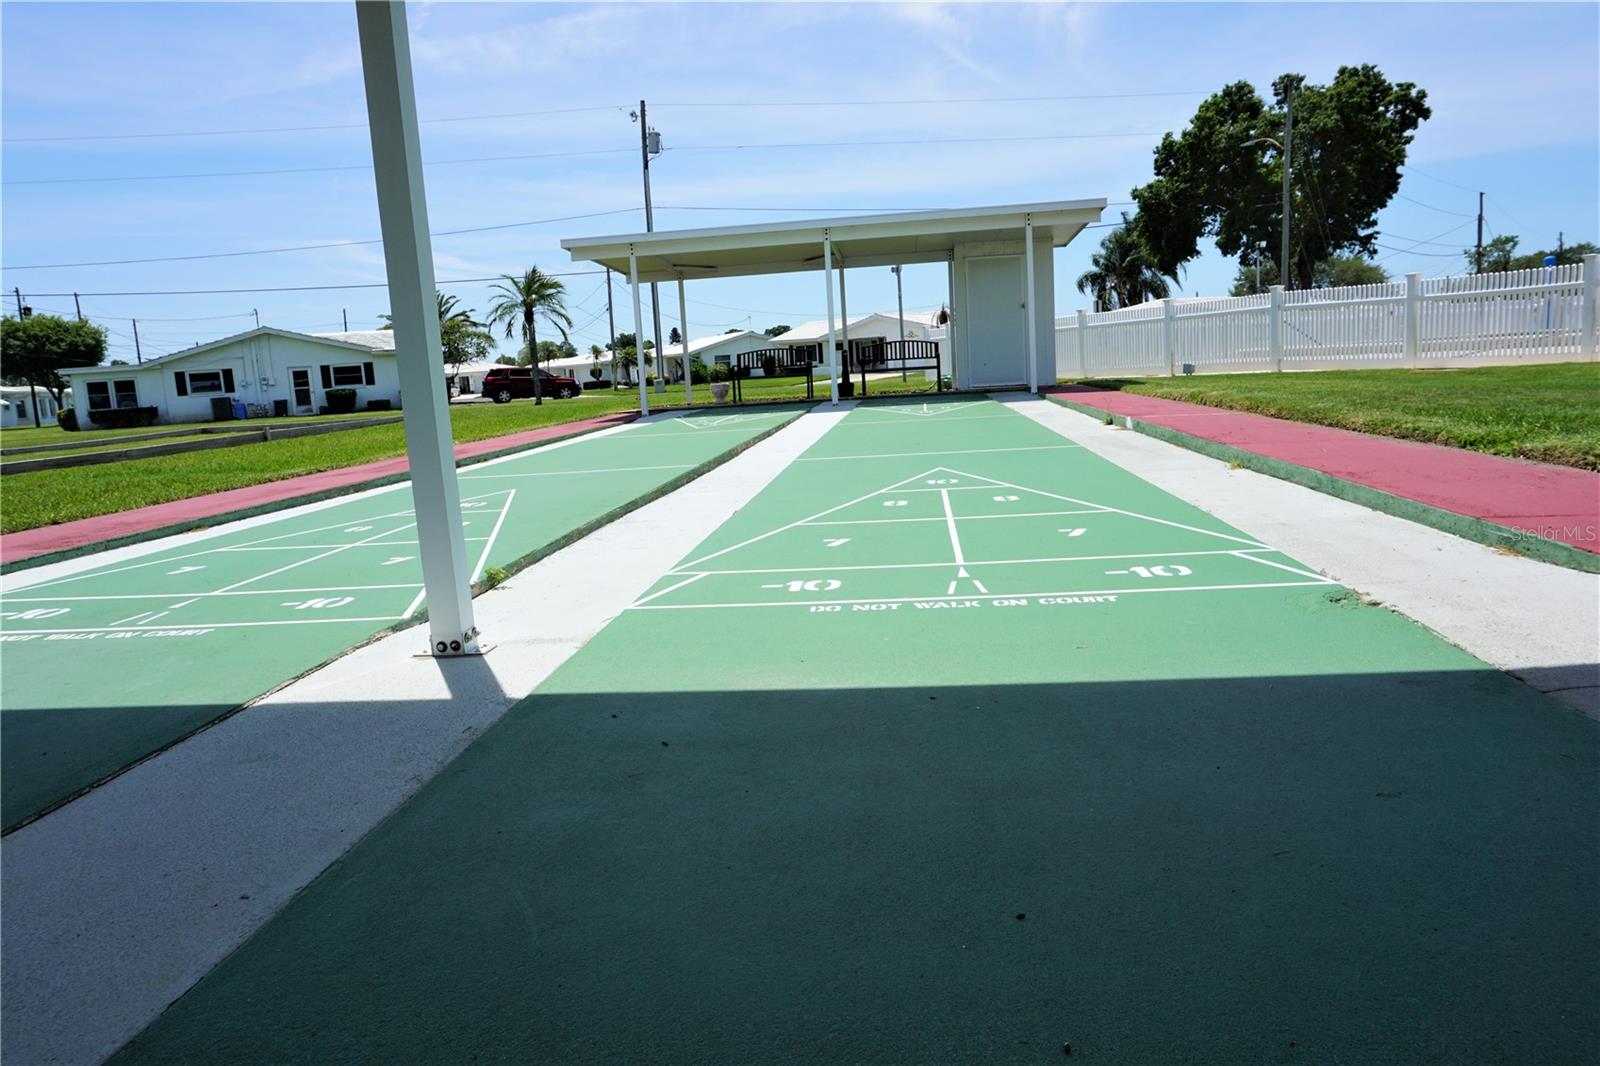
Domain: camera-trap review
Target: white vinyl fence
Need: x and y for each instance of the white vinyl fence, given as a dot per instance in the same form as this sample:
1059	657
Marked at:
1544	315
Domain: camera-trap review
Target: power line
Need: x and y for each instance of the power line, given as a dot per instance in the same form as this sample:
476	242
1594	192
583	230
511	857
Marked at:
1413	170
1407	251
296	129
305	170
916	141
314	247
1430	207
932	100
304	288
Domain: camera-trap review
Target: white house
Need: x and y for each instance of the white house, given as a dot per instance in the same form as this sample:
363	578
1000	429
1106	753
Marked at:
868	329
271	371
719	348
17	403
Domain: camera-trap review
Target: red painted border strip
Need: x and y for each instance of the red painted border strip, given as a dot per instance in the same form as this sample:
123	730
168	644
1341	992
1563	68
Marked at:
1555	502
199	510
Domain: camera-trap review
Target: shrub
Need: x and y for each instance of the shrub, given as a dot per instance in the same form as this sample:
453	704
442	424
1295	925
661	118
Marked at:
769	366
596	385
124	417
341	401
698	373
379	405
720	372
67	419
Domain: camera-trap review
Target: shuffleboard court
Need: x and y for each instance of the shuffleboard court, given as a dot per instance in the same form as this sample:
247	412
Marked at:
105	665
1038	756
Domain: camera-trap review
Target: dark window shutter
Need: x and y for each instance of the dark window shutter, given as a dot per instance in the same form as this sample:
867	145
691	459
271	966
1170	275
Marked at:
367	374
327	377
181	380
227	380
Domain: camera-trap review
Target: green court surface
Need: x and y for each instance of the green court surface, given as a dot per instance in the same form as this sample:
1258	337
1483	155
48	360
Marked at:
109	664
960	743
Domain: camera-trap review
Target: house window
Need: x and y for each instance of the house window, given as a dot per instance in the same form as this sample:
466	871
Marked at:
205	381
22	408
347	375
104	395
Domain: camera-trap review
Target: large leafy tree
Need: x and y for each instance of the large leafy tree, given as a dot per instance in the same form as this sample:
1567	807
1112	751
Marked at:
1123	272
37	348
522	301
462	340
1350	140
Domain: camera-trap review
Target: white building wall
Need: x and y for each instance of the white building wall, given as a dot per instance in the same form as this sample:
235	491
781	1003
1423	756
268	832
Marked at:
20	404
261	367
1043	304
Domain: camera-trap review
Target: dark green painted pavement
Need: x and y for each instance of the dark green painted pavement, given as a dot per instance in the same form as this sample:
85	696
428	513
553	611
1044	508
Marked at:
1238	819
103	667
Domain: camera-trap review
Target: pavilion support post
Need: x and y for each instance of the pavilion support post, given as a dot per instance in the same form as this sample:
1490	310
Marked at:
827	285
408	259
1027	304
683	326
844	321
950	326
638	332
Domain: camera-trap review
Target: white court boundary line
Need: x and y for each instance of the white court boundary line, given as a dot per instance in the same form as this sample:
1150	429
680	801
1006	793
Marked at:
991	596
203	595
575	473
911	455
1242	553
958	518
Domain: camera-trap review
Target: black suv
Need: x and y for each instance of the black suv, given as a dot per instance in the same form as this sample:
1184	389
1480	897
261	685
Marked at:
502	384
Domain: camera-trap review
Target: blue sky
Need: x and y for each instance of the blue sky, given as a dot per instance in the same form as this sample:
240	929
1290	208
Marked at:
1513	88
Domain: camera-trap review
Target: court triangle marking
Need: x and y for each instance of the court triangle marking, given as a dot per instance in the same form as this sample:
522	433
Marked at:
1117	510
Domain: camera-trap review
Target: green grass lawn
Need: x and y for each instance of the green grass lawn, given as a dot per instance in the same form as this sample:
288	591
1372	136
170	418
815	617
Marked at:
46	497
50	433
1548	413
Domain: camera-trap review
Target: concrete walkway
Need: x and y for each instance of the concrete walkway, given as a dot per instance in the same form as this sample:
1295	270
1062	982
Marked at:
1553	502
179	515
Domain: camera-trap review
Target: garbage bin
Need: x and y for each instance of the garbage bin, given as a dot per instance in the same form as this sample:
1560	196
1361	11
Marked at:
280	408
221	409
239	410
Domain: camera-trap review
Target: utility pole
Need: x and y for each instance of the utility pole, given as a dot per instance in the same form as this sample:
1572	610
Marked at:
1561	245
258	317
1285	267
33	389
346	314
611	338
1478	255
650	144
78	306
137	353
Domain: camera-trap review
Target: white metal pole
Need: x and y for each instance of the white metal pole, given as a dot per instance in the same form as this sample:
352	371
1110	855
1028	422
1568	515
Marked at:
1589	313
1275	326
1083	343
683	328
950	327
844	319
638	333
1027	303
900	305
1169	335
827	284
1413	324
408	257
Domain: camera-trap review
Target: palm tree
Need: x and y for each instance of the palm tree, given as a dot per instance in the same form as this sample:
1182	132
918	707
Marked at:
447	311
1124	272
524	300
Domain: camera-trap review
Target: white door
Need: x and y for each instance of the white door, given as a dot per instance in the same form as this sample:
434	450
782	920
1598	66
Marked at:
300	382
995	340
